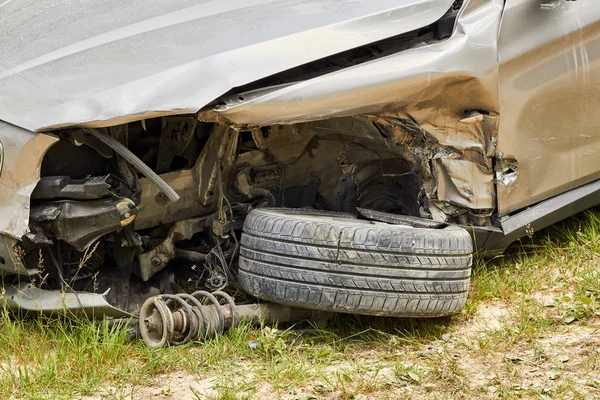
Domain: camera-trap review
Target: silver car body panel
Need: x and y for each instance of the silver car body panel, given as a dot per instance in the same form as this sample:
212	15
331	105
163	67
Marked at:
23	155
103	63
26	297
549	135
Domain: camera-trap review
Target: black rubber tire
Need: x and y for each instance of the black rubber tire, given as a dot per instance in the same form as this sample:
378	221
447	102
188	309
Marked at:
335	262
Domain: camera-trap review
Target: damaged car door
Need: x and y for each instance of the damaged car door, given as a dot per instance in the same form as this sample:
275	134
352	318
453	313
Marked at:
549	140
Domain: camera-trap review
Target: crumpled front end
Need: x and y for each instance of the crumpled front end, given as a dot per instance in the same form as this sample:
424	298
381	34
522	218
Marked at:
396	116
435	102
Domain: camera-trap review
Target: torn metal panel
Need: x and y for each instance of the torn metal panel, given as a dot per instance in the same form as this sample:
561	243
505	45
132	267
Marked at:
27	297
438	101
454	155
465	63
90	61
455	158
464	183
507	172
549	99
23	155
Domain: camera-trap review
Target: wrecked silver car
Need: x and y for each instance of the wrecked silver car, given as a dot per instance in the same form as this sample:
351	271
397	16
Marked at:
336	156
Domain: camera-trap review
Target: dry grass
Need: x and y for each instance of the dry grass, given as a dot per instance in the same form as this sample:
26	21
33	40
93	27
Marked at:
530	330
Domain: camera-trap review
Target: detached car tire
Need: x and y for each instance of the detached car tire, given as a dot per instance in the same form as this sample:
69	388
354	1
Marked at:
335	262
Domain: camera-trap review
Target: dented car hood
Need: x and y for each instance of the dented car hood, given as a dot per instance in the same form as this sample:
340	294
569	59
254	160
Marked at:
67	63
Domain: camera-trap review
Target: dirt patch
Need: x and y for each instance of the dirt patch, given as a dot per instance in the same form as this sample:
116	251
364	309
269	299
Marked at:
472	362
185	386
180	385
489	317
565	359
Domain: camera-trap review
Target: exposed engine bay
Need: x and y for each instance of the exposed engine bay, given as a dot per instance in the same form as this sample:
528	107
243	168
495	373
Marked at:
155	205
97	224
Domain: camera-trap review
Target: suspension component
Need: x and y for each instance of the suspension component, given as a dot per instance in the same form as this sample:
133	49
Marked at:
175	319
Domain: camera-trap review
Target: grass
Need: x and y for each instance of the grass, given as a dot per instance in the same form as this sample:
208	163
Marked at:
529	330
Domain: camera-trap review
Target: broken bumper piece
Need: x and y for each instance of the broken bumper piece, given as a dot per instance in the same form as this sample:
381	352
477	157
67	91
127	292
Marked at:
26	297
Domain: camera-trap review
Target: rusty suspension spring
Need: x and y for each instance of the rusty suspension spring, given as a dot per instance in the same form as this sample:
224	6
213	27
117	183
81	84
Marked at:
175	319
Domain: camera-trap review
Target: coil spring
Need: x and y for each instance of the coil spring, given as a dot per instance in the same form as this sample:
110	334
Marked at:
175	319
